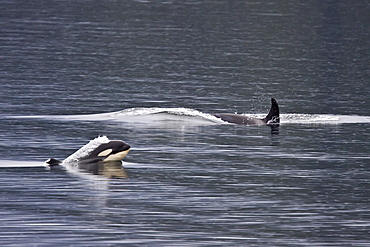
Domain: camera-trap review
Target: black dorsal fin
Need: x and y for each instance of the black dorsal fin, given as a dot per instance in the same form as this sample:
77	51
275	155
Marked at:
273	117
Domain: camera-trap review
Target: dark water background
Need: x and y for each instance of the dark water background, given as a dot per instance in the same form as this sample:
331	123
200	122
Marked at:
190	181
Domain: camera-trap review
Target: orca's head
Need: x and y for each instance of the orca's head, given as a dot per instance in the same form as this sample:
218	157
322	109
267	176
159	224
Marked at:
110	151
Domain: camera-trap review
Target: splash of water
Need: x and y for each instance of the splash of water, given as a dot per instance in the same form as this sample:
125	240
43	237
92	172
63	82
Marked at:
85	150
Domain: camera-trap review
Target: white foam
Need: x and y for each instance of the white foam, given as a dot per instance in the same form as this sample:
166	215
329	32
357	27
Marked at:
354	119
168	118
133	114
323	119
295	118
16	163
309	118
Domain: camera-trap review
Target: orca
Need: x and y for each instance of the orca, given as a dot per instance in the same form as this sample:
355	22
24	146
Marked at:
272	118
99	150
111	151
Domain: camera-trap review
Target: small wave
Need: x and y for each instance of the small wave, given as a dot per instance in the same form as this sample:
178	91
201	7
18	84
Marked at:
151	115
309	119
17	164
155	110
322	119
295	118
187	116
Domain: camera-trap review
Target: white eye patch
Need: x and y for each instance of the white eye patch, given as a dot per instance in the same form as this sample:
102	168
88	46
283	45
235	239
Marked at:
105	152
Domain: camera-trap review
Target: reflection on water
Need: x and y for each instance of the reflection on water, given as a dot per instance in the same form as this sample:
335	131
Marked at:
109	169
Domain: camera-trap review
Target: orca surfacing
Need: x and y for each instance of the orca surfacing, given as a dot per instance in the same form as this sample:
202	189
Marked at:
98	150
272	118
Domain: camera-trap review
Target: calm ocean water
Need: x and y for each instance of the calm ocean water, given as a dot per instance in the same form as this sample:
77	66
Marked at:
150	73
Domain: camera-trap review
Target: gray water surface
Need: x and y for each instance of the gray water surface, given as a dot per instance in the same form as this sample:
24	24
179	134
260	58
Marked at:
151	73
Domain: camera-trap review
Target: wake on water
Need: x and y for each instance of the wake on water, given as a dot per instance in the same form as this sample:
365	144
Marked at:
187	116
175	118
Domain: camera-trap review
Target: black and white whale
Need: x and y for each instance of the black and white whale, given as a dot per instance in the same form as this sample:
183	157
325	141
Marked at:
272	118
98	151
